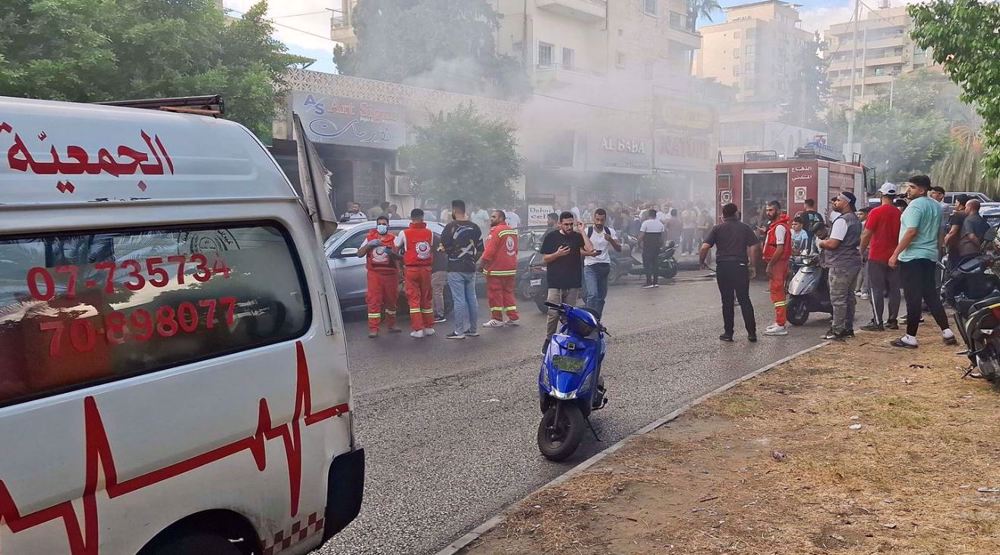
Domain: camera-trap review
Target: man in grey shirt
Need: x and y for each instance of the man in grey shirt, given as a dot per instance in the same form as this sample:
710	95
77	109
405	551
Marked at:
844	260
974	227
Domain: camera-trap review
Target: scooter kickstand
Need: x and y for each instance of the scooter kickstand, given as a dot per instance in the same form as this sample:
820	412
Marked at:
592	430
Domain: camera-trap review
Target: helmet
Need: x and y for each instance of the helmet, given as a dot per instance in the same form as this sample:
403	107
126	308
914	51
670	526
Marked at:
581	321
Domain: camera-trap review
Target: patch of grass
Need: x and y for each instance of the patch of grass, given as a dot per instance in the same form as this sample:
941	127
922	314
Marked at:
739	405
899	412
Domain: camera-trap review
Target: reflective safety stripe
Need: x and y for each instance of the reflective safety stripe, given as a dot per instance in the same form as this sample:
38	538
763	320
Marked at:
496	308
507	232
414	311
428	311
780	303
374	315
500	273
511	308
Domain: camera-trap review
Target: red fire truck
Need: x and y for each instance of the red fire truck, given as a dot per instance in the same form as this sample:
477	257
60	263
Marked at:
814	173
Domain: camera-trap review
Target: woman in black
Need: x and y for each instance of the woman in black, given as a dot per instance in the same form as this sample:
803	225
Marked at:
651	241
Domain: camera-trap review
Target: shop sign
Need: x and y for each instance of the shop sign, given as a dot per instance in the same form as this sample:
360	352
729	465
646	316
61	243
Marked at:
538	213
349	121
683	151
620	154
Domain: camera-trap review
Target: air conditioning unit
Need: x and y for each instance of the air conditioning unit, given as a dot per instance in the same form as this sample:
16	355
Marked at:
402	184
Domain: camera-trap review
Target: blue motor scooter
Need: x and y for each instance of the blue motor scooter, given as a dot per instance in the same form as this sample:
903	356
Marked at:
569	384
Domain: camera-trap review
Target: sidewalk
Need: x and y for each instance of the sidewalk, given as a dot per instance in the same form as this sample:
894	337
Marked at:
857	447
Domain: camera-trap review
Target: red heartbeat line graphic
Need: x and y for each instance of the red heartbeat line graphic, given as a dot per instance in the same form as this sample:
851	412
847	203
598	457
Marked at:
83	540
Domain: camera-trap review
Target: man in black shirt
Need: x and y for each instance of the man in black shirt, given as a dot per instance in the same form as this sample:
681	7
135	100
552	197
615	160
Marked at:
736	249
463	242
563	251
954	230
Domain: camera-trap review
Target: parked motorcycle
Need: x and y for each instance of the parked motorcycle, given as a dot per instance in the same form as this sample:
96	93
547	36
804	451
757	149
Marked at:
809	290
973	290
665	262
570	386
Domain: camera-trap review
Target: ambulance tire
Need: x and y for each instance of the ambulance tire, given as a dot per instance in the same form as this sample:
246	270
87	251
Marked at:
197	542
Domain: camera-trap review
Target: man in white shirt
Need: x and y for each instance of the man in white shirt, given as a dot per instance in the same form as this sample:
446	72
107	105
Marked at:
513	220
651	237
597	267
354	214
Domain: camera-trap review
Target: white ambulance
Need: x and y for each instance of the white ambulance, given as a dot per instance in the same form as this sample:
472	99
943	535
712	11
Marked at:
173	370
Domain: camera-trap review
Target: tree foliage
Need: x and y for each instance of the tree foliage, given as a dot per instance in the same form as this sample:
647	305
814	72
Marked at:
701	8
962	35
461	155
810	90
444	44
962	167
97	50
912	135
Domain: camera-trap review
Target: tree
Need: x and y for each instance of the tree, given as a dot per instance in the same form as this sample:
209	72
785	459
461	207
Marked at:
463	155
912	135
962	36
444	44
811	88
962	167
96	50
701	8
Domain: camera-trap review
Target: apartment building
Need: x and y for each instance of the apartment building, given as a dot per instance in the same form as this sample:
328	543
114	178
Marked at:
614	98
757	50
883	52
342	22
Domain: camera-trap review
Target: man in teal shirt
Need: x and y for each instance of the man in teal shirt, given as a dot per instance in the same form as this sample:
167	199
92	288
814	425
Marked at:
916	256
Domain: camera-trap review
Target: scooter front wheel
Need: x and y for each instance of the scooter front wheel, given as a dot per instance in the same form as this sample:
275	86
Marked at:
560	431
797	311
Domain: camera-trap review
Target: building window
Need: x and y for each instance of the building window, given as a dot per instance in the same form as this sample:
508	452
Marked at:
650	7
679	21
620	59
545	54
569	58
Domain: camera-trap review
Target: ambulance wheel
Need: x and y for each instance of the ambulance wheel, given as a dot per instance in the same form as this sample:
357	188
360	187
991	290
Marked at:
197	542
797	312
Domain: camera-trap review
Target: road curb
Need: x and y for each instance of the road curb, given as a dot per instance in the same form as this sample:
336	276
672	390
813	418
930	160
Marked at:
462	542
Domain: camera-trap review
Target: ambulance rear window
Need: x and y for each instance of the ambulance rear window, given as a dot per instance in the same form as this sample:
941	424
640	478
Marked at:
83	308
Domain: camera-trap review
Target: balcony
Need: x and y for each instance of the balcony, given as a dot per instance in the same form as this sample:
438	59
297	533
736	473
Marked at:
585	10
342	28
556	76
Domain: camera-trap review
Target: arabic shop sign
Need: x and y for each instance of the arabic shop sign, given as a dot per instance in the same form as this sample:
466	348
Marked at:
349	121
683	151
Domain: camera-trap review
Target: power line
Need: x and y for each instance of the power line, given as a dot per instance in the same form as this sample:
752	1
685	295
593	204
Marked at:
289	27
297	14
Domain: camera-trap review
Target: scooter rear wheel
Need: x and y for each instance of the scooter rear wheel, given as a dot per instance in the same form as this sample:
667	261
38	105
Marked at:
558	439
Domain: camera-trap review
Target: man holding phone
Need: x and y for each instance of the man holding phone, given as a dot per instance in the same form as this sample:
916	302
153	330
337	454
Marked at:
597	268
562	252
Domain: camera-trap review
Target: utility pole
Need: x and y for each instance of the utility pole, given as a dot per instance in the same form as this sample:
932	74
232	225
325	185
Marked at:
854	74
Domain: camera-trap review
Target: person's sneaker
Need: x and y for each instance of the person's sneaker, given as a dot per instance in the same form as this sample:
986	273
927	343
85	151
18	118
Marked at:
838	335
372	334
752	337
858	293
771	327
655	285
513	323
892	325
949	337
454	335
648	286
472	333
429	332
776	330
903	343
872	326
493	324
440	319
417	334
726	337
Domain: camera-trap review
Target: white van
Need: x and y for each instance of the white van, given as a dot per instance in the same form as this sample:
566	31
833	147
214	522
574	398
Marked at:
173	370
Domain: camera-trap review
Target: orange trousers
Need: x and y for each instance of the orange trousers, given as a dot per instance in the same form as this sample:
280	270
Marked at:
779	271
383	289
500	295
420	295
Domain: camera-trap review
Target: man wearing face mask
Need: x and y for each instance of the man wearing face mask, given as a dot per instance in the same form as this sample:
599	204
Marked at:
383	276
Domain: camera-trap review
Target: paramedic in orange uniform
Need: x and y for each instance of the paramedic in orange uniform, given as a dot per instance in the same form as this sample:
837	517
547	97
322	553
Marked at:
777	251
499	263
415	243
383	276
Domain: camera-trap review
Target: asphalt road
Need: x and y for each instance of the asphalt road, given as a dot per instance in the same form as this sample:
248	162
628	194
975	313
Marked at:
449	426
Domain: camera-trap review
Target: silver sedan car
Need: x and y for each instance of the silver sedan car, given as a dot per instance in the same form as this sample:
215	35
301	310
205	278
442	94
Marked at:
349	272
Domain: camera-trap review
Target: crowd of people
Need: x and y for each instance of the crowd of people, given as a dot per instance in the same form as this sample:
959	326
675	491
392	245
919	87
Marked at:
868	253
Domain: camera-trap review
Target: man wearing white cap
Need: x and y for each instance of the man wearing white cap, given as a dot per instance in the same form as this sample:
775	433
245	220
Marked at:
844	261
880	237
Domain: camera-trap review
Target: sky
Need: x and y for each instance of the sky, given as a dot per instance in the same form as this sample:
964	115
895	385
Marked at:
304	25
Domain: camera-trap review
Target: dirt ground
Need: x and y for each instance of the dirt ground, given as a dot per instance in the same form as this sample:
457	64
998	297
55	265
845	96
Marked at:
857	447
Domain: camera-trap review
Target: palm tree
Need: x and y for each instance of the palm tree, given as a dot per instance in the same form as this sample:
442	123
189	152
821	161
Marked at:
699	8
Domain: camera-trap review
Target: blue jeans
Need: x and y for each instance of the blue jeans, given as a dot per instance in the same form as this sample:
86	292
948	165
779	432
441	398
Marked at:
463	295
595	279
